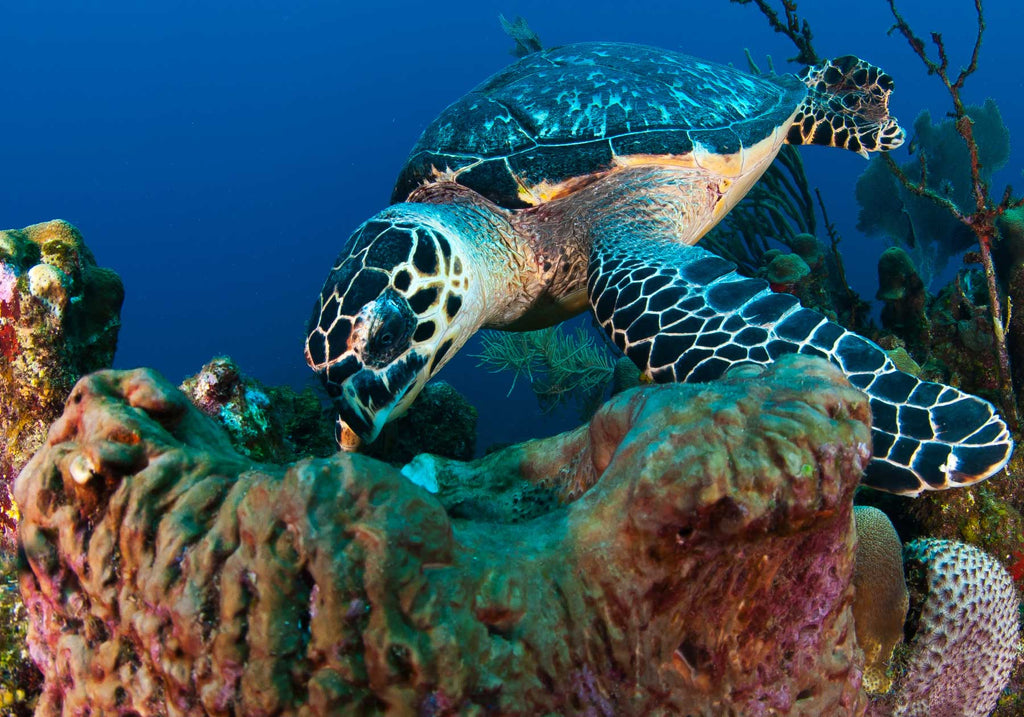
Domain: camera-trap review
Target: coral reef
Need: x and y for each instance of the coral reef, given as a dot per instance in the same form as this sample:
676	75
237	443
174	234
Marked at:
949	335
266	424
984	516
700	561
975	208
880	594
770	234
958	336
783	271
902	290
59	318
278	425
20	681
966	633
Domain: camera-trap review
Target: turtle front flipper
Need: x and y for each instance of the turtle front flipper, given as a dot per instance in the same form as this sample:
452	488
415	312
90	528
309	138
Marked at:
682	314
847	105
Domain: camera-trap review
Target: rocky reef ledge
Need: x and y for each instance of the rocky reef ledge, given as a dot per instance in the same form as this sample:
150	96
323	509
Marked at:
696	557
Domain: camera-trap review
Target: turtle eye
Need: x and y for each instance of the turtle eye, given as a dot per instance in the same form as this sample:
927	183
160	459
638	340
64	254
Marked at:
392	325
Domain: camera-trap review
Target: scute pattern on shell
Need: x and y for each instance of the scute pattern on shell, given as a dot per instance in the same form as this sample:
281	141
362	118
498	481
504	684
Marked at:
568	111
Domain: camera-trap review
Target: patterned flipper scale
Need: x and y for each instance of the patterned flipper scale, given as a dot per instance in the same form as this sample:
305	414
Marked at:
682	314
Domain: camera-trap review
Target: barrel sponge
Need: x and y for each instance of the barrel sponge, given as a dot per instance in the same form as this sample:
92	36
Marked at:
880	597
963	651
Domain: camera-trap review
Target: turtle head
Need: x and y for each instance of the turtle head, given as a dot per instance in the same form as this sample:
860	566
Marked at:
392	311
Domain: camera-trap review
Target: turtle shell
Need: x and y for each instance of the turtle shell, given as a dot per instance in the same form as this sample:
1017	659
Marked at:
571	112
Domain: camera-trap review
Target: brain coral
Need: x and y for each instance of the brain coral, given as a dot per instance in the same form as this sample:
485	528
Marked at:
880	594
699	562
966	637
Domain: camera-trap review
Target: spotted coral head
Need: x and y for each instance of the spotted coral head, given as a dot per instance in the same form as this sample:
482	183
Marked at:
387	319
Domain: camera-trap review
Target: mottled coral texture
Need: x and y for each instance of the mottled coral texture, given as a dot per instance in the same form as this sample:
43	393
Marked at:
703	565
965	614
274	425
59	319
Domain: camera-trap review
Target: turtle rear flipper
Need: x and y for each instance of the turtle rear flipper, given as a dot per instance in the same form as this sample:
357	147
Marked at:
682	314
847	105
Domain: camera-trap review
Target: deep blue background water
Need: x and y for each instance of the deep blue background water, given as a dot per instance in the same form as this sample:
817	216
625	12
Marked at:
217	154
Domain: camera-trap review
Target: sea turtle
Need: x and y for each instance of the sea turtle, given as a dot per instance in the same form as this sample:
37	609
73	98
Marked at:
583	175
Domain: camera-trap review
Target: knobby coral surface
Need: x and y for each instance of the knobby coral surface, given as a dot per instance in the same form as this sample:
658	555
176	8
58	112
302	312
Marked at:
699	562
966	632
59	319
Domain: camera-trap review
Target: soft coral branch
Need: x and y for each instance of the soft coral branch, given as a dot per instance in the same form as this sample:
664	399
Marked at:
982	221
797	30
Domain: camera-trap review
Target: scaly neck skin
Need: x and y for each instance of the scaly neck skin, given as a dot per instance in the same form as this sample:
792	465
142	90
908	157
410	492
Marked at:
500	260
648	201
531	264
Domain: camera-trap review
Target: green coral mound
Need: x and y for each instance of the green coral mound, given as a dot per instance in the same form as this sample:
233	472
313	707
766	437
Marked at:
784	269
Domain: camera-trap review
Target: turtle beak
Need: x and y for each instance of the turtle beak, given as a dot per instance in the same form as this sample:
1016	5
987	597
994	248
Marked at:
348	440
372	397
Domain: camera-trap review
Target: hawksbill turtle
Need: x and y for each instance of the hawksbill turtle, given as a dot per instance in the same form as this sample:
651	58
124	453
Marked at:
582	177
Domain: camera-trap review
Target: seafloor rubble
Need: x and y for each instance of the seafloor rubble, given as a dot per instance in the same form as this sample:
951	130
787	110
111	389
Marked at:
699	559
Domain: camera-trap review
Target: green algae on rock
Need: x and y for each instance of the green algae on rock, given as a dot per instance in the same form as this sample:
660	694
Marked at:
699	558
266	424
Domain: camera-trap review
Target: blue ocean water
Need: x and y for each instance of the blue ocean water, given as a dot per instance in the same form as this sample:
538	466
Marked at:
217	154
